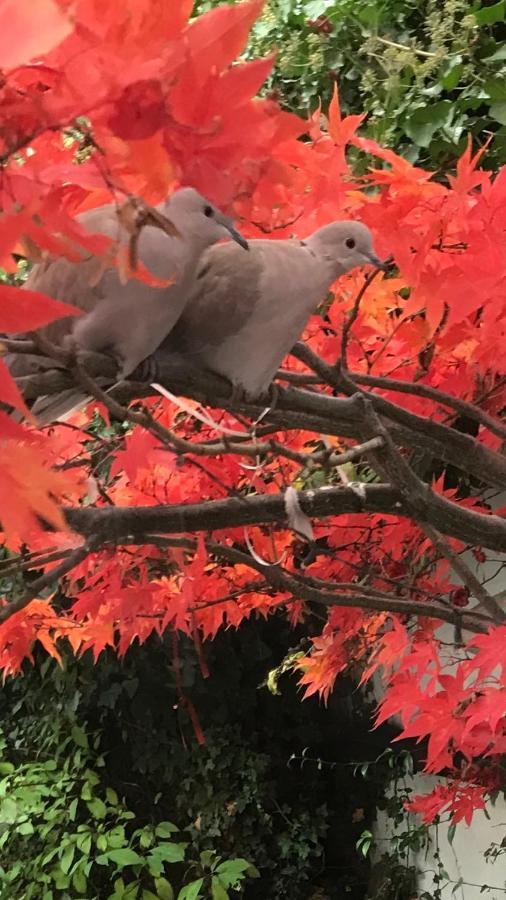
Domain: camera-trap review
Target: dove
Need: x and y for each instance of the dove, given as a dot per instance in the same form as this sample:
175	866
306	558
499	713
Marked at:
129	320
247	311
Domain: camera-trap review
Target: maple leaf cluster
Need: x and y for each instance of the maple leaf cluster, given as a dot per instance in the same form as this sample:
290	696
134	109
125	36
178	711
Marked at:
151	100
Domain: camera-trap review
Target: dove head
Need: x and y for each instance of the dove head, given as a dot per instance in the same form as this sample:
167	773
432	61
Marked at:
345	245
196	217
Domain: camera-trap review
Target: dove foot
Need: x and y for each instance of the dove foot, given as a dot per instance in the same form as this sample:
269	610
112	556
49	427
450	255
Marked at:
148	370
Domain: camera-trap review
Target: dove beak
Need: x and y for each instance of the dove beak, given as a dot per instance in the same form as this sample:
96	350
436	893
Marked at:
237	236
377	262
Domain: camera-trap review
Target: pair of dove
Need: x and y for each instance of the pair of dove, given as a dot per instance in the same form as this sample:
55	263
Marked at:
235	308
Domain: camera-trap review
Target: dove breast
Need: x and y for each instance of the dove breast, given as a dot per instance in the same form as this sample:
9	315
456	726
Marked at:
243	317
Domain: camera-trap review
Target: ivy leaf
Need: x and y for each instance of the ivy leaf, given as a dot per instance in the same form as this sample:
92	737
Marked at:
423	123
217	890
165	829
191	891
122	857
232	871
498	112
164	889
489	15
169	852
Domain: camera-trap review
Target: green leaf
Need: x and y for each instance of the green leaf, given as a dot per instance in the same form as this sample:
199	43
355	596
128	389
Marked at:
146	838
498	56
315	8
498	112
488	15
164	889
8	811
83	843
236	866
148	895
207	857
191	891
116	836
171	853
123	857
73	809
111	796
369	14
79	737
217	890
165	829
97	808
25	828
452	74
495	89
79	881
61	880
232	871
6	768
67	857
423	123
450	834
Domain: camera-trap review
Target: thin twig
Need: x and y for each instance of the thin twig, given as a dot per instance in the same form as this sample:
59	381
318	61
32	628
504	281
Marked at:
35	561
11	345
388	43
349	322
76	557
282	580
424	390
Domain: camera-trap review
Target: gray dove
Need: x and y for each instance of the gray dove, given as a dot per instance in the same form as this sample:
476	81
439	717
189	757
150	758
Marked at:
128	320
247	312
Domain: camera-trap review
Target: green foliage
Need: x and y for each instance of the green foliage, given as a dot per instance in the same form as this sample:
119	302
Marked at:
238	797
17	277
427	72
64	833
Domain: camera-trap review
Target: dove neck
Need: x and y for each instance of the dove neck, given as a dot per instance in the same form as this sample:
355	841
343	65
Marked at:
325	255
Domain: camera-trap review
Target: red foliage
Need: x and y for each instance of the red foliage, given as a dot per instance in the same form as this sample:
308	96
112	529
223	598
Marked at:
167	105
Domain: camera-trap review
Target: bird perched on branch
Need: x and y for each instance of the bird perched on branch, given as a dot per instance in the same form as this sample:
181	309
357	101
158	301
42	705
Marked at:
245	311
128	319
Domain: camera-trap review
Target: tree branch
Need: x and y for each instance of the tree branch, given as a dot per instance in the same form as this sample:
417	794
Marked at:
430	393
410	430
118	522
281	579
391	464
299	409
349	322
76	557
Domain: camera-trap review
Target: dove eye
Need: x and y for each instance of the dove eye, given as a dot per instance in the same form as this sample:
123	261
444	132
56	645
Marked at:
208	211
350	243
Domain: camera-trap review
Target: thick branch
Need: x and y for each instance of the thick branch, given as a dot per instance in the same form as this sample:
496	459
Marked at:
119	522
300	409
416	432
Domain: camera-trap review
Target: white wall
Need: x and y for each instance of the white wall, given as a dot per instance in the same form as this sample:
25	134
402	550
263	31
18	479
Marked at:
464	858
